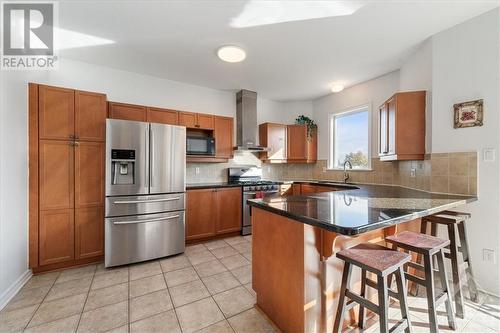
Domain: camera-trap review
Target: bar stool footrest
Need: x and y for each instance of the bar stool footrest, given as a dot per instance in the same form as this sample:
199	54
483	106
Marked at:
400	326
362	301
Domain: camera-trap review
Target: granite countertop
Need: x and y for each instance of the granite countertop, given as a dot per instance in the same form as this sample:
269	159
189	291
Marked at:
360	209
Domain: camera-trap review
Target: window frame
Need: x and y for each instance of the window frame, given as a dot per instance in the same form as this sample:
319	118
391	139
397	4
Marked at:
331	135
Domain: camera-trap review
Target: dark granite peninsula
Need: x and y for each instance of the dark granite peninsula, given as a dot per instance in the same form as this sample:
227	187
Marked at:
295	272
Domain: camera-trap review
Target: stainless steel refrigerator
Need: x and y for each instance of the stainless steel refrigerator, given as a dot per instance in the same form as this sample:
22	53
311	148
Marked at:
145	190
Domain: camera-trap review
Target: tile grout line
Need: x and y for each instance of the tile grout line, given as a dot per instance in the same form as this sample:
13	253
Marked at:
170	296
85	302
39	305
128	299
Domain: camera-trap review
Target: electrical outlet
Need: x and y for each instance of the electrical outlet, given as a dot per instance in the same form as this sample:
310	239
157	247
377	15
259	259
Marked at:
197	170
324	169
489	255
413	172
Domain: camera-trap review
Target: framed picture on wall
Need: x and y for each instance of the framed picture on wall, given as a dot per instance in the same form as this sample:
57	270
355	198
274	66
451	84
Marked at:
468	114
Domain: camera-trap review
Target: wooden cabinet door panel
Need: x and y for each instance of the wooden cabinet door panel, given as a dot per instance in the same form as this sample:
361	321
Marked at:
201	214
307	189
90	116
89	232
89	174
163	116
56	236
127	111
205	121
56	174
187	119
383	116
56	112
229	201
296	142
276	142
223	132
391	126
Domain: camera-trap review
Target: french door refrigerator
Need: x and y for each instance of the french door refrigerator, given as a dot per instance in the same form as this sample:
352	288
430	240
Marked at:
145	189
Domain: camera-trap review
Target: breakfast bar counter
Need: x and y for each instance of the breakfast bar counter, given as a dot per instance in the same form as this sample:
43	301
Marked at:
295	272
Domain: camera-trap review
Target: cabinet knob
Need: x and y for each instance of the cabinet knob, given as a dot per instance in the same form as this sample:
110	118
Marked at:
77	143
71	136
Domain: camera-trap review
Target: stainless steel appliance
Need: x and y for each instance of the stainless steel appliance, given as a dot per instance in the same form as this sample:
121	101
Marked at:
246	122
200	145
253	185
145	188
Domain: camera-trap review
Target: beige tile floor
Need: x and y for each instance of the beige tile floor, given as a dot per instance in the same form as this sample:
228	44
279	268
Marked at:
207	289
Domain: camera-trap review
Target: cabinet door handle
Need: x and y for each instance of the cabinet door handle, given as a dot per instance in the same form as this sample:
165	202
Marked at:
77	143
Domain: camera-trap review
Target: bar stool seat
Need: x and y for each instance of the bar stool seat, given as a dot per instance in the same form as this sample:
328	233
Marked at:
382	262
455	221
428	247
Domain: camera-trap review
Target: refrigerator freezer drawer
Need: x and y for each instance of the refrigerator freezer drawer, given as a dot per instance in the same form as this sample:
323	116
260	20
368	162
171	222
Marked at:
144	237
144	204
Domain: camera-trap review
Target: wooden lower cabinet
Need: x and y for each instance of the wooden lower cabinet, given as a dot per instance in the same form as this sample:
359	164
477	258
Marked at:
228	203
56	236
211	212
89	232
200	214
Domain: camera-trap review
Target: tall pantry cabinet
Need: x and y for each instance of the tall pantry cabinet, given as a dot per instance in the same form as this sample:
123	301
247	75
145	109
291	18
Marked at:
66	176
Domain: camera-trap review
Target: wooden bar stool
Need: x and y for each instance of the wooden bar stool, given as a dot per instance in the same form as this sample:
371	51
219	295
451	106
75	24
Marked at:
427	246
382	262
453	221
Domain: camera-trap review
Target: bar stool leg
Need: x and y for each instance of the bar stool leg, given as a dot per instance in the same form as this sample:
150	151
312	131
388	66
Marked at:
455	270
362	317
431	296
403	302
468	270
339	318
446	289
383	304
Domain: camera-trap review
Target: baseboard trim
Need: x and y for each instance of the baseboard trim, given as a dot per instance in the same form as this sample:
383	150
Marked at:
14	288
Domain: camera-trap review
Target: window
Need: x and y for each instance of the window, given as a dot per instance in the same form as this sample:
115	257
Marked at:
350	135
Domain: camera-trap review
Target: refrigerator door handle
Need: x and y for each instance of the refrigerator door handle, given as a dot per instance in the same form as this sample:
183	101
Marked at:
146	201
152	157
146	157
146	221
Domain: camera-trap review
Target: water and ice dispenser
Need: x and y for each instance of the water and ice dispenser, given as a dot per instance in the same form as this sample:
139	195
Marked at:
122	167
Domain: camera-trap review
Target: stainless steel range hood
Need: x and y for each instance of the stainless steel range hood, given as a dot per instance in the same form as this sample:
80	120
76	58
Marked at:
246	122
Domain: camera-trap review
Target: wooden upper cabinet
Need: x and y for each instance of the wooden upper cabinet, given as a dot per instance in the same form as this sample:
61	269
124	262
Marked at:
187	119
56	236
205	121
201	214
197	120
89	232
56	174
89	174
127	111
300	147
90	116
223	133
402	127
163	116
56	113
274	137
229	201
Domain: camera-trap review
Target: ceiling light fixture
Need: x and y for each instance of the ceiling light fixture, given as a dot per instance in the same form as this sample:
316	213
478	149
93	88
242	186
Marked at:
231	53
337	87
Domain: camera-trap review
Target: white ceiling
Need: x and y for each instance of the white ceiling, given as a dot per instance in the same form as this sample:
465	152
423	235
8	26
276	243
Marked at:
294	60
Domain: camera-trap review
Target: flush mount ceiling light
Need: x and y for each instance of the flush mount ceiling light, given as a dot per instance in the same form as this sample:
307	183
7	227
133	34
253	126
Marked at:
231	53
337	87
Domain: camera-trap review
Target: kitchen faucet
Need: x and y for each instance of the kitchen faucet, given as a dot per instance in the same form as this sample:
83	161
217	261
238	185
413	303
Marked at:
346	174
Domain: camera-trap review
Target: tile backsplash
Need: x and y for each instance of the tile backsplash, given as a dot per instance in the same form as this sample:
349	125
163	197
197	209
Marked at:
439	172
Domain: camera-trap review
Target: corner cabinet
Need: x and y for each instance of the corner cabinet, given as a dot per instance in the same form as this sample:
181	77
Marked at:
300	147
273	136
66	177
212	212
402	127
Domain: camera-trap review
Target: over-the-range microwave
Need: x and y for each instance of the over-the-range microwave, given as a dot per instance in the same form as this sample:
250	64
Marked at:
196	145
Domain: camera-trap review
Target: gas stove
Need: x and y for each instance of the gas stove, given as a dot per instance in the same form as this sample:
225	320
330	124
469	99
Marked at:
251	179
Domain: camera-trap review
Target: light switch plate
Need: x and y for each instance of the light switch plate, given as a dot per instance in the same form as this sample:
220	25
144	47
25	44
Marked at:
489	154
489	255
197	170
413	172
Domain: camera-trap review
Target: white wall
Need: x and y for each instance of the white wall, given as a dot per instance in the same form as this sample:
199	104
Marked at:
466	66
374	92
282	112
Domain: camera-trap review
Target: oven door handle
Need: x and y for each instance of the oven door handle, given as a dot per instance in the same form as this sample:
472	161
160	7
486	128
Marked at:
265	192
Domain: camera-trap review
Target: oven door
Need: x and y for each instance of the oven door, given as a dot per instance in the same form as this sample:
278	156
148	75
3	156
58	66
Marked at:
247	218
